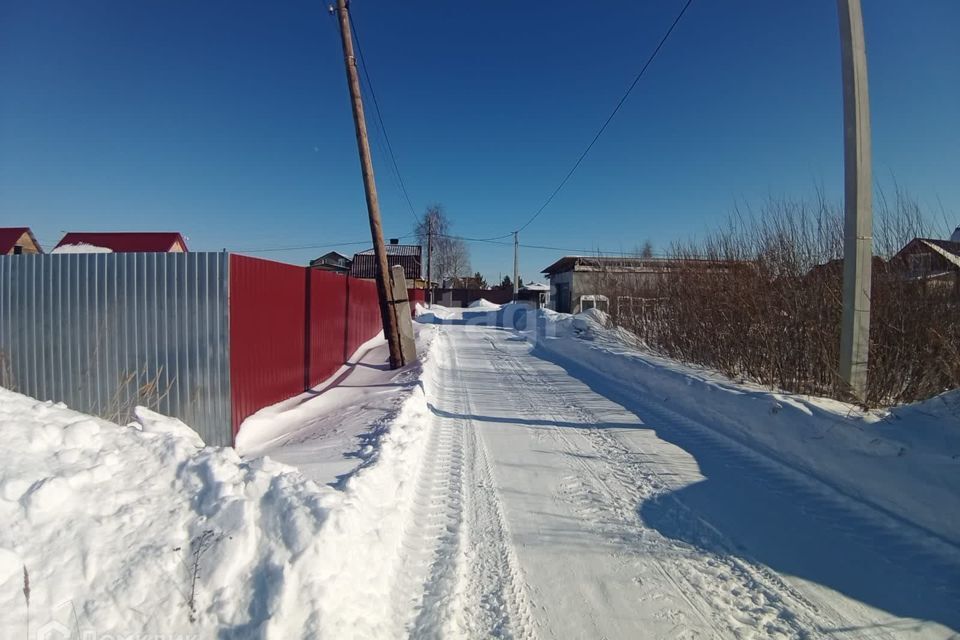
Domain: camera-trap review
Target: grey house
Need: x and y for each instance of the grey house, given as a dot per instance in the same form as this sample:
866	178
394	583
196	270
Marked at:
578	283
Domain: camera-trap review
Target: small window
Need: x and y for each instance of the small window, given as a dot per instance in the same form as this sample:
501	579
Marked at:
920	262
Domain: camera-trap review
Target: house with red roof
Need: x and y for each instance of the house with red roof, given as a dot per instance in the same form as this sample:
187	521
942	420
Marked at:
17	240
122	242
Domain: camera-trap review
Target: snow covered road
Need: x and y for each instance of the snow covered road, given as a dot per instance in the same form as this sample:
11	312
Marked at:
548	483
553	503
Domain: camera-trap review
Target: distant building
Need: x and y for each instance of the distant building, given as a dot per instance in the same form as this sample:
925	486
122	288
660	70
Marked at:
536	293
333	261
408	256
122	242
464	297
934	263
578	283
17	240
462	282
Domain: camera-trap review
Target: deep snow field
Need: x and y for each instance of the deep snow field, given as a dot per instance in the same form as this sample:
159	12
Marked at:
408	504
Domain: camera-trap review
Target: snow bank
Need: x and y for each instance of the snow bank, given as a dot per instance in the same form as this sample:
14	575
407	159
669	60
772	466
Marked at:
483	303
356	560
434	314
107	522
81	247
905	461
333	429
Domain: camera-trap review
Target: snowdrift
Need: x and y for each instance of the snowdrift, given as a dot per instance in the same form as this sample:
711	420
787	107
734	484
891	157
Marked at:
905	461
110	525
141	529
483	303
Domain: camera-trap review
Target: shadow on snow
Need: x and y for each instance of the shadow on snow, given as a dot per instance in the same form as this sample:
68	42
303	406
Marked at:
746	508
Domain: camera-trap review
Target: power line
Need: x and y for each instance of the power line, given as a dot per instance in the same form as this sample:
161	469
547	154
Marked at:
303	246
383	128
581	252
609	118
313	246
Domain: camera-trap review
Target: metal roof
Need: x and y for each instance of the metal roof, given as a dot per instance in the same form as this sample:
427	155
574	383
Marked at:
397	250
624	264
364	263
127	241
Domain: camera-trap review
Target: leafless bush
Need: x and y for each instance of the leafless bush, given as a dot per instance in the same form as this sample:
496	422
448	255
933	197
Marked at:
6	372
131	394
760	300
199	545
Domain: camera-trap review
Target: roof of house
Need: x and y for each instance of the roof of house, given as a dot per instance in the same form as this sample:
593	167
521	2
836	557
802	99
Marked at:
947	249
10	235
622	264
336	254
406	255
127	241
397	250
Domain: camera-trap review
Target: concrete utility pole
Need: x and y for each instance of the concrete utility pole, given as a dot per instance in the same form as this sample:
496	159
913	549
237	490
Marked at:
858	189
516	245
384	288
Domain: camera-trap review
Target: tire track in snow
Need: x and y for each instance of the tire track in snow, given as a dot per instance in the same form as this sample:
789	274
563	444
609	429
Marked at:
472	585
752	596
909	550
611	500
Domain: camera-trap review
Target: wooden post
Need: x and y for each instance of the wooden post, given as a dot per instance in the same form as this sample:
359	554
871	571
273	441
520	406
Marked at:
858	215
384	287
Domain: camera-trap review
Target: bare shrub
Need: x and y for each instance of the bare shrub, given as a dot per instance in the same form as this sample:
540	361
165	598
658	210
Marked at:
199	545
760	300
130	394
6	372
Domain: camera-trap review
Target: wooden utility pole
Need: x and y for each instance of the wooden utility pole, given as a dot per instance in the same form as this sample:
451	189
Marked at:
384	288
858	214
430	257
516	245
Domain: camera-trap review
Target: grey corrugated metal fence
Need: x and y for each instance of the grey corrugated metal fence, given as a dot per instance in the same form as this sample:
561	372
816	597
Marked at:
106	332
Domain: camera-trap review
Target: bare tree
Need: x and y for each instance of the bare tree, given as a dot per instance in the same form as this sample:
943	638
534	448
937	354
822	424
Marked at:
450	256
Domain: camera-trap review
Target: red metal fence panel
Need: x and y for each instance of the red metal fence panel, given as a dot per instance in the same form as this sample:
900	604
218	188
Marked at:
328	324
416	296
267	333
363	314
291	328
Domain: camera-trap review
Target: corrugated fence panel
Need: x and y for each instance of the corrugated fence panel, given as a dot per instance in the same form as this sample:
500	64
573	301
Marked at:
417	296
107	332
328	324
268	333
363	314
291	328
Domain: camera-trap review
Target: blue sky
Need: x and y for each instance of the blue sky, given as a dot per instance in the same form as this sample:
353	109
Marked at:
230	122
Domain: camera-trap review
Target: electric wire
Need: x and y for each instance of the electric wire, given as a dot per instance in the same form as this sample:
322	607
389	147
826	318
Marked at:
314	246
613	113
383	127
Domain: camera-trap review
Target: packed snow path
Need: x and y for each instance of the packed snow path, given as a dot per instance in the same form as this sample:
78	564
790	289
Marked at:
552	503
